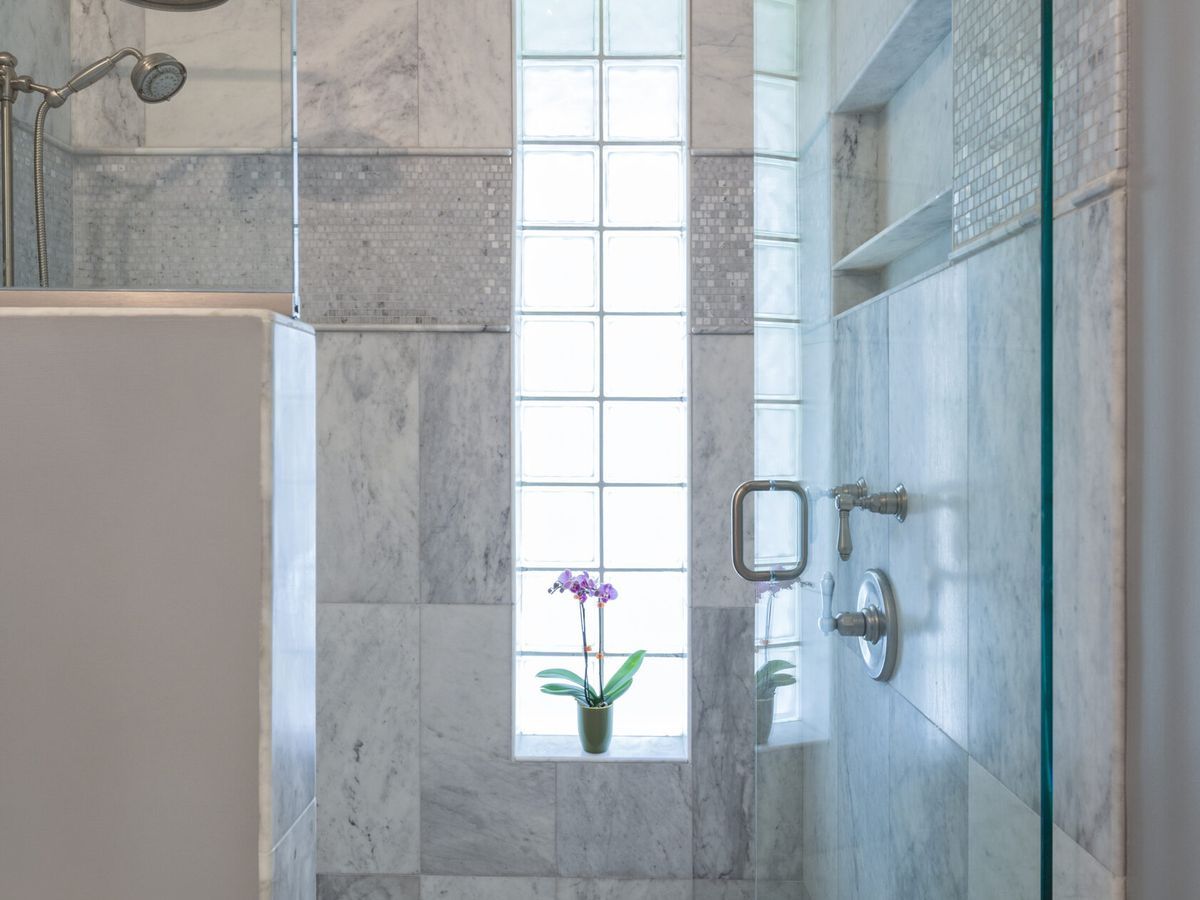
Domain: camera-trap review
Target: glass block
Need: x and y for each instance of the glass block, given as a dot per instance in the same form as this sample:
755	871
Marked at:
558	356
643	27
539	713
776	528
776	197
643	101
645	356
559	270
558	526
777	613
775	111
645	442
776	441
644	271
776	361
775	36
656	705
559	27
650	612
558	100
559	186
643	186
777	279
558	441
645	527
546	622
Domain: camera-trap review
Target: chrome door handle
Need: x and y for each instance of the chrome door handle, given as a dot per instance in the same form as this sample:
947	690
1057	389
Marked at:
739	541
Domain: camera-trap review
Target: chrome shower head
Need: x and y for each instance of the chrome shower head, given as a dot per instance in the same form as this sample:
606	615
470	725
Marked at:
157	77
176	5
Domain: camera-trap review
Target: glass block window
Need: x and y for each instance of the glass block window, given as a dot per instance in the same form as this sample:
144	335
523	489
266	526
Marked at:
601	351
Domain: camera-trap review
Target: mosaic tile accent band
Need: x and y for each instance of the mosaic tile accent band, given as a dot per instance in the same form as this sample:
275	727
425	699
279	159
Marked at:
722	243
184	222
997	103
406	239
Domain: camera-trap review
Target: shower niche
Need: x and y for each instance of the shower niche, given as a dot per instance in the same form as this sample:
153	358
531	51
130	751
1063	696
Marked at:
892	133
170	177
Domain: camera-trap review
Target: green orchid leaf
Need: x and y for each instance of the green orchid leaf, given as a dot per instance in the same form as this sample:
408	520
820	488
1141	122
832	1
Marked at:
565	690
625	673
770	667
782	680
611	696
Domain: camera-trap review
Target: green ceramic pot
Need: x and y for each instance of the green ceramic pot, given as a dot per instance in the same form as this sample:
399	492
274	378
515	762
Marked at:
595	728
766	719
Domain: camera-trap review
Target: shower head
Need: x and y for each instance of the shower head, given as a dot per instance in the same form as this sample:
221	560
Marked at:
176	5
157	77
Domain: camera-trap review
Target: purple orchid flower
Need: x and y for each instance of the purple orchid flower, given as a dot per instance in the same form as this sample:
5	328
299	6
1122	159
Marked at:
606	592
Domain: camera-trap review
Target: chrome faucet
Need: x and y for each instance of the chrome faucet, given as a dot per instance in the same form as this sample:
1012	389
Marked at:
848	497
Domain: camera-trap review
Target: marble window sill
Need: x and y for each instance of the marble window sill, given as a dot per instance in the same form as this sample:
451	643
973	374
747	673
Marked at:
565	748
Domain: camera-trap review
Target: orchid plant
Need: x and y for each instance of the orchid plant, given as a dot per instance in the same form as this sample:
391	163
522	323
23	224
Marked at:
583	587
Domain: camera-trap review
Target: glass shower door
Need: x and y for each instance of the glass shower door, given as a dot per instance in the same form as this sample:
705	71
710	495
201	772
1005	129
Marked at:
897	351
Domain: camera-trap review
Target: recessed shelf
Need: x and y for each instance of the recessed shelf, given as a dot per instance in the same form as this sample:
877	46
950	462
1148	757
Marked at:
901	237
921	27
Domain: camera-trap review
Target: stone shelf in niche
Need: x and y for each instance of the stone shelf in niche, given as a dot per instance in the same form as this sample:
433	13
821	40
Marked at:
900	238
920	28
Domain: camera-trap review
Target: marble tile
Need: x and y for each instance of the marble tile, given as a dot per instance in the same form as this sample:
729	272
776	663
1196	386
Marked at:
646	815
459	887
368	781
786	890
481	813
1003	844
855	145
368	887
466	469
371	101
779	807
722	448
39	36
1079	876
722	648
705	889
928	806
1089	539
108	115
721	244
1003	450
860	27
865	862
818	820
465	83
368	441
927	553
860	440
293	862
893	55
722	75
237	75
814	249
624	889
292	699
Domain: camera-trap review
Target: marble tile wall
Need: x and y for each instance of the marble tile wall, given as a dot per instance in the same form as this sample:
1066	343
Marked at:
722	244
950	365
39	36
60	211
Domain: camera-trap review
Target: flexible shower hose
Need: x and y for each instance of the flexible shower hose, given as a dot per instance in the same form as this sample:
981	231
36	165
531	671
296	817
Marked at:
39	193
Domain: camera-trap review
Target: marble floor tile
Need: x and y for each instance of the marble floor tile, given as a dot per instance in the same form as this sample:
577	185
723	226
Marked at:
927	552
481	813
632	819
706	889
368	434
368	701
722	648
368	887
466	469
466	887
928	807
1003	545
722	448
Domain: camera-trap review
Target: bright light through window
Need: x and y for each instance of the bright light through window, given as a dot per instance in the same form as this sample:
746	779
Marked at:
601	371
